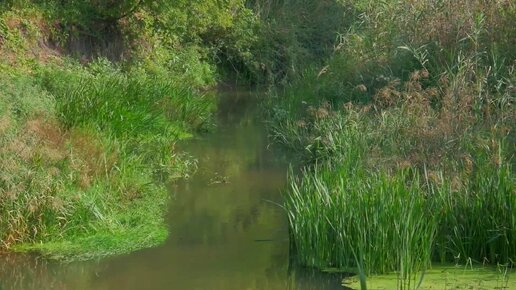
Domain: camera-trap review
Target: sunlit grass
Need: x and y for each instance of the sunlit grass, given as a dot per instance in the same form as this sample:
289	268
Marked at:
85	157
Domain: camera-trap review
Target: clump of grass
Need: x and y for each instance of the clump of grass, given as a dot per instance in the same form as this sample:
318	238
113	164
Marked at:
350	215
461	180
347	220
476	218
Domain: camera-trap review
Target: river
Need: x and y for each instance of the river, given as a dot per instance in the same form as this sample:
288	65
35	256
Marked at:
227	230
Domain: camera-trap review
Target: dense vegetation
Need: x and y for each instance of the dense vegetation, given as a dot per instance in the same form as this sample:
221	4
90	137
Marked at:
401	113
406	134
94	95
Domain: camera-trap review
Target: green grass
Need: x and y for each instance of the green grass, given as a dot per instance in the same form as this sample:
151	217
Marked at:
88	148
86	155
127	104
346	217
87	145
347	220
101	244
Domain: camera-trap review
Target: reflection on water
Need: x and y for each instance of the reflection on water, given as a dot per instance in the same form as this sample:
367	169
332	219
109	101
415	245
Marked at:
227	231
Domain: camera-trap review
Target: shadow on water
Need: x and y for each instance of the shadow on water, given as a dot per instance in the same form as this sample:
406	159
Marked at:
227	230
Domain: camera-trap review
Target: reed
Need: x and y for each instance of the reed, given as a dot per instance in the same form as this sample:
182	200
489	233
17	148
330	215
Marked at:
380	223
406	140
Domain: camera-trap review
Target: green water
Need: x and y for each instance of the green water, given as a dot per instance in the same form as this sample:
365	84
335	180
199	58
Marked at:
447	277
226	231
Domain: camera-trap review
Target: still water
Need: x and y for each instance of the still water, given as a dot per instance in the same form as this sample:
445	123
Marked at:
227	231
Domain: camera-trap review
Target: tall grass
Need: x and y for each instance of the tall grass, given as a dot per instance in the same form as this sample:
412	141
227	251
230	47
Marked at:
376	224
382	177
127	104
406	135
85	156
351	209
477	220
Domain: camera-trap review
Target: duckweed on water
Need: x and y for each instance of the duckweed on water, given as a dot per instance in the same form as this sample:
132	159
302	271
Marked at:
441	277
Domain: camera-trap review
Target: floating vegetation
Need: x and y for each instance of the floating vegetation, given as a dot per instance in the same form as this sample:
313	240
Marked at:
441	277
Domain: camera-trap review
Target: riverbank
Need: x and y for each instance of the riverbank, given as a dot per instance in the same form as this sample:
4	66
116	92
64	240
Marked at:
84	169
88	134
406	134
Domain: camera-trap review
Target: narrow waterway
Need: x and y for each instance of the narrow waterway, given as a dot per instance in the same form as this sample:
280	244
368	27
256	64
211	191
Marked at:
227	231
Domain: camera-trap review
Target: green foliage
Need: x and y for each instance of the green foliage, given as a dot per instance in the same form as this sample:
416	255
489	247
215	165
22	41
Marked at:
477	220
87	148
348	217
184	38
295	34
360	208
222	34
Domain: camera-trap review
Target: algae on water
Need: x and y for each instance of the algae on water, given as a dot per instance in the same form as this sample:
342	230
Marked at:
445	277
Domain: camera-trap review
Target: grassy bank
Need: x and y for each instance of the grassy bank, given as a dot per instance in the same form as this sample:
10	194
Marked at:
85	159
406	136
92	102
